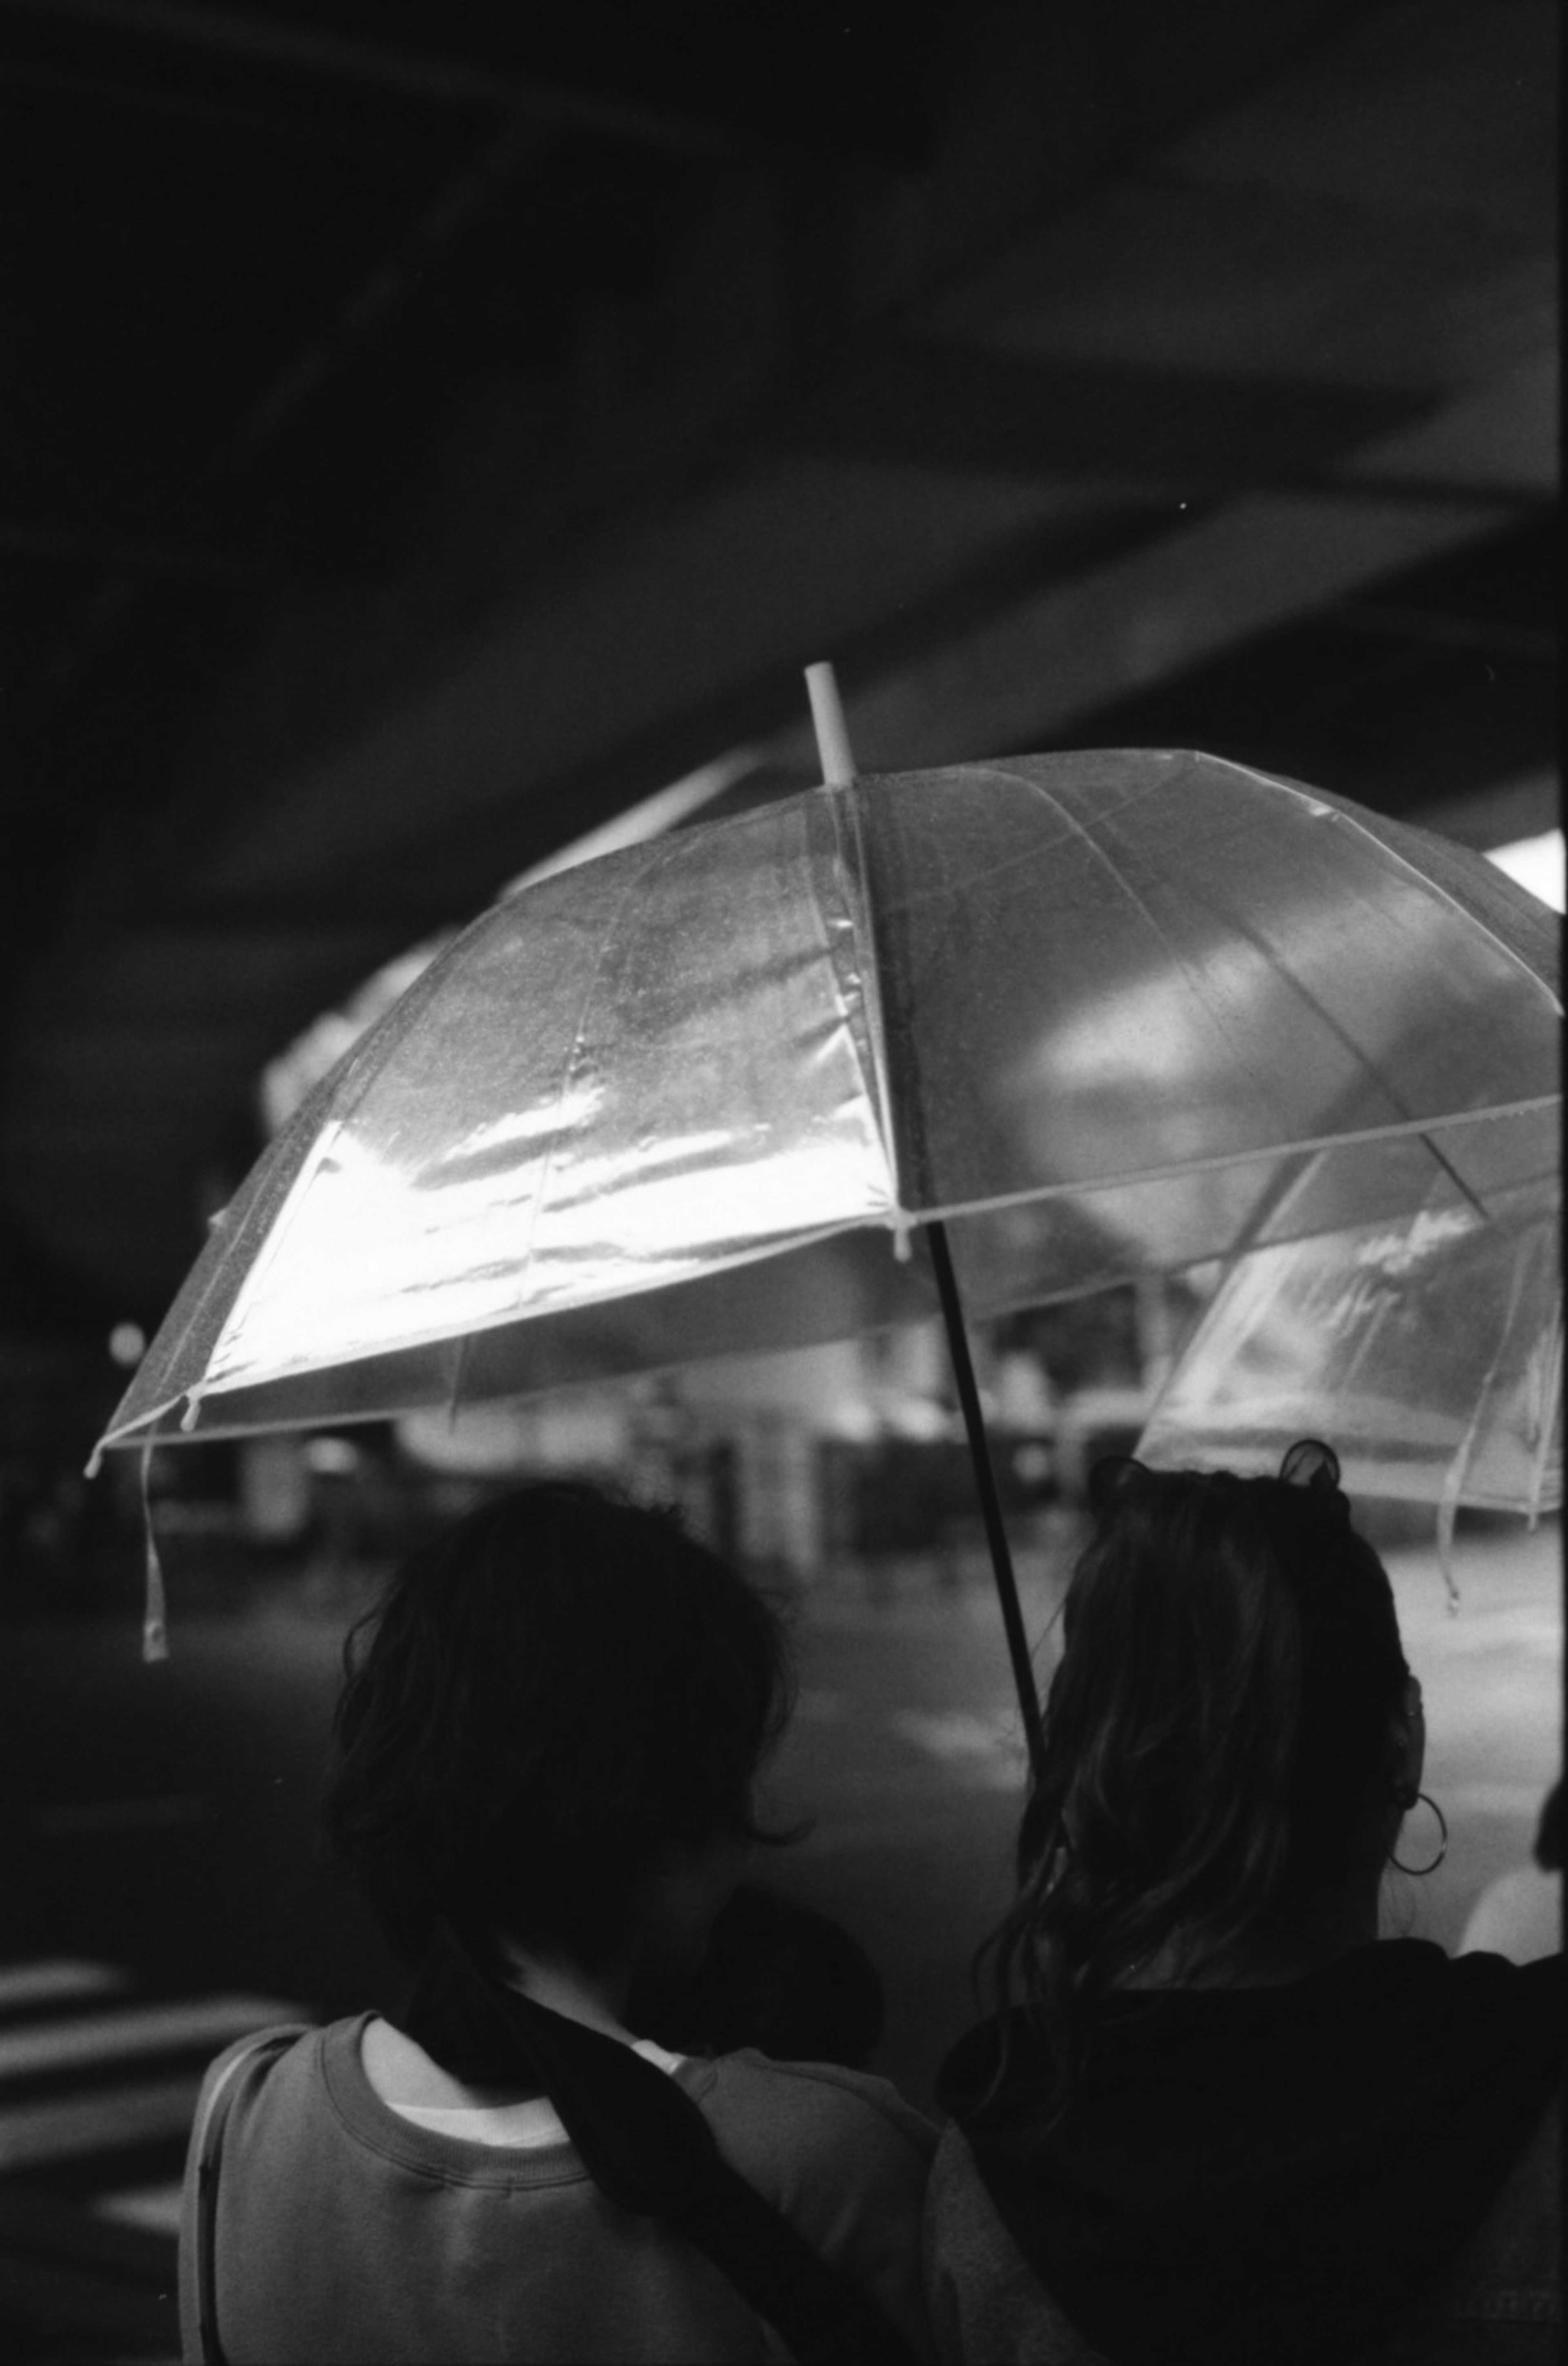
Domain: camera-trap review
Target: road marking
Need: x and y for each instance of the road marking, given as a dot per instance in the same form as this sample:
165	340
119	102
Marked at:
23	1985
106	2037
66	2129
987	1749
154	2207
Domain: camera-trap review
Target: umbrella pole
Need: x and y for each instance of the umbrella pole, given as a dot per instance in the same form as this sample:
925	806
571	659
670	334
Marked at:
985	1482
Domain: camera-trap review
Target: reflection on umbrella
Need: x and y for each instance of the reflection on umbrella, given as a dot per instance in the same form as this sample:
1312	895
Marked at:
1098	1015
1430	1351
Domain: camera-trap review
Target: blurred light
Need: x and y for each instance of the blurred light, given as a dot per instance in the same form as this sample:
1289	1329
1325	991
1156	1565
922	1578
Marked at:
128	1344
336	1457
286	1080
1537	864
660	811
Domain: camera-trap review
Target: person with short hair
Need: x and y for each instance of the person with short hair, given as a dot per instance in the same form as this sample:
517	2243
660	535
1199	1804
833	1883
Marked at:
1215	2117
546	1754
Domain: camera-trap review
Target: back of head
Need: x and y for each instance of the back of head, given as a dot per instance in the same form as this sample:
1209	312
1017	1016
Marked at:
1216	1734
553	1692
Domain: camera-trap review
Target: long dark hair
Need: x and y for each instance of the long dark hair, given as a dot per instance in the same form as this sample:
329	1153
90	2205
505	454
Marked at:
551	1692
1216	1736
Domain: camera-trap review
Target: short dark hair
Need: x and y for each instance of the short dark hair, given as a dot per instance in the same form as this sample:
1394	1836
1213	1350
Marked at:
1216	1737
551	1691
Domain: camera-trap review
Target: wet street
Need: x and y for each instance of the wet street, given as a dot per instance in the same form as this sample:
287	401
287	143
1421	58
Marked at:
161	1888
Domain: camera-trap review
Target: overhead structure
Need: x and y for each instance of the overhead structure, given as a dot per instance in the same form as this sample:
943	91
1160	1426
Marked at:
431	436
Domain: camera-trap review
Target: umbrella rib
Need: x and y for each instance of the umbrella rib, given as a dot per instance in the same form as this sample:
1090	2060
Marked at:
857	900
1400	1131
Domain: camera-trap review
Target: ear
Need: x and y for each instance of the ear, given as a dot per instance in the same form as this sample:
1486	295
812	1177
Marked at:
1407	1745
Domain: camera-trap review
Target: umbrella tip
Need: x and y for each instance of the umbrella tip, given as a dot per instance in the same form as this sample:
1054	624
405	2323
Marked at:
827	719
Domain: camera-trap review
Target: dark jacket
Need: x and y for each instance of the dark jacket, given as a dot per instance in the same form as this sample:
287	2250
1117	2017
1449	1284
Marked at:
1312	2172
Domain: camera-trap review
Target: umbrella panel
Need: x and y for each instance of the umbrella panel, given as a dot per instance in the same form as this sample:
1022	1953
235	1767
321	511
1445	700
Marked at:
1114	965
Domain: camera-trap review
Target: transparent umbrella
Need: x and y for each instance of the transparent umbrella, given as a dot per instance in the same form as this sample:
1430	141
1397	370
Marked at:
1081	1017
1429	1350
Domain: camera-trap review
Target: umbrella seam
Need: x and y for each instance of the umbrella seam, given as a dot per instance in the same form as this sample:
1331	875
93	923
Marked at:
858	875
1402	1130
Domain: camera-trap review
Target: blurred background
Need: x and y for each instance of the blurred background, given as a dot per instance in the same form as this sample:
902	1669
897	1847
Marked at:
436	438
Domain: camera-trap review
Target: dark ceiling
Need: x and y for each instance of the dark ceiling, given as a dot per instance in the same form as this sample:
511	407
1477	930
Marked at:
431	430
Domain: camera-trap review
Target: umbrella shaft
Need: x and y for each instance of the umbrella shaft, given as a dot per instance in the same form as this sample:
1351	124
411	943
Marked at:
986	1484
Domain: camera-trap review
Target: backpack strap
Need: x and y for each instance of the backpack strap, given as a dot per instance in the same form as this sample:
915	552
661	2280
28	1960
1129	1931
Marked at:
206	2152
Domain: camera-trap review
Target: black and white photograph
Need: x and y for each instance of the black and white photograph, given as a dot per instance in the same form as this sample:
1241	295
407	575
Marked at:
781	1140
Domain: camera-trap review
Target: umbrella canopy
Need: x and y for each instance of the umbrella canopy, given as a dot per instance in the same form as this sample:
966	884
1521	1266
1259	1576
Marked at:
1105	1014
1429	1352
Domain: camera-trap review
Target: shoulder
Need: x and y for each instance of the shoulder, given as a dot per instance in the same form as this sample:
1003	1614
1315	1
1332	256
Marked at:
1501	2298
842	2155
983	2299
1519	1915
825	2145
816	2103
260	2074
959	2216
1521	2003
231	2089
963	2233
1519	2242
251	2058
1412	1984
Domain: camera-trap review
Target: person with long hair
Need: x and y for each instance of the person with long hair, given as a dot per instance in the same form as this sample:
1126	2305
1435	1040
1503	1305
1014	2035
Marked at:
546	1755
1213	2117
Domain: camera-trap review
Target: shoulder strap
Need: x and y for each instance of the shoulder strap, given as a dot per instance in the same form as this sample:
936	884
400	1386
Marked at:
206	2141
649	2149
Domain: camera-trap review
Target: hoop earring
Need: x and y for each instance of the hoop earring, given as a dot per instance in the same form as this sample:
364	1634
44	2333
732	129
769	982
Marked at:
1419	1871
